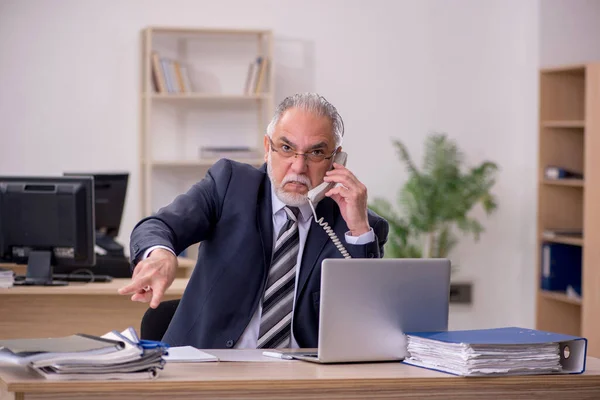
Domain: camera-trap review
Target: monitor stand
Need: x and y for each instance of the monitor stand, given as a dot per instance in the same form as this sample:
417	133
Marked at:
39	270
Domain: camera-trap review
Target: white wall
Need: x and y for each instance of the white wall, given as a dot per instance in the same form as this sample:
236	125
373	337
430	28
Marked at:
394	69
569	32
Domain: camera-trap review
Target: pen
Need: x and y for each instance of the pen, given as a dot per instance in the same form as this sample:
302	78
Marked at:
275	354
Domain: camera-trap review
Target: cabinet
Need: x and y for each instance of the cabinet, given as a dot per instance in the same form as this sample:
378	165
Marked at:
569	139
212	106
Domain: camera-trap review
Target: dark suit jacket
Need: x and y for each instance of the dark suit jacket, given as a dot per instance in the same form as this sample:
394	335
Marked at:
230	212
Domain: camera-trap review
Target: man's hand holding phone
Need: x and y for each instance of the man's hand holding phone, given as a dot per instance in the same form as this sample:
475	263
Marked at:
351	197
152	277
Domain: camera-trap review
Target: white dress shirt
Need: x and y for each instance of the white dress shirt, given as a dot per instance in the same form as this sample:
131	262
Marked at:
249	338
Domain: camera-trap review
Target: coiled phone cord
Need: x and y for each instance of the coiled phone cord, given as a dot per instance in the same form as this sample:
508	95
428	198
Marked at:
330	232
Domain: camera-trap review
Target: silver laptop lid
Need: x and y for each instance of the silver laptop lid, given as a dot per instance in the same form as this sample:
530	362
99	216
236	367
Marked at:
367	304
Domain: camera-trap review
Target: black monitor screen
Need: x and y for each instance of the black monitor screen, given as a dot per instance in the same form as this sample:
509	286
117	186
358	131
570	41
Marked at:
51	218
110	190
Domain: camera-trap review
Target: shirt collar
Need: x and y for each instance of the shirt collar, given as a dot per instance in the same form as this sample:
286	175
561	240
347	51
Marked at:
305	210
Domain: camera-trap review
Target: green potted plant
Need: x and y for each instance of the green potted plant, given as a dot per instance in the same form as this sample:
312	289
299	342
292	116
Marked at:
436	200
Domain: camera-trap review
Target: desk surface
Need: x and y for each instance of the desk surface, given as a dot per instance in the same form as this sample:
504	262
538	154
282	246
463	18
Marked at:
186	265
94	308
297	379
88	289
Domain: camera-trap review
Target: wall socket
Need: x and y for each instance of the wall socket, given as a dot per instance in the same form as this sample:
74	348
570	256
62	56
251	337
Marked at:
460	293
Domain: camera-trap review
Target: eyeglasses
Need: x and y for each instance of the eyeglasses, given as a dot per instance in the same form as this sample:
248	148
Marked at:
285	151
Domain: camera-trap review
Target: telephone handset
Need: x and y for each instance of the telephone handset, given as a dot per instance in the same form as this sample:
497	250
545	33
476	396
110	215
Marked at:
317	194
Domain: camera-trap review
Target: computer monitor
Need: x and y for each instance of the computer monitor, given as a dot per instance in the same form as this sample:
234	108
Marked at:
110	190
46	221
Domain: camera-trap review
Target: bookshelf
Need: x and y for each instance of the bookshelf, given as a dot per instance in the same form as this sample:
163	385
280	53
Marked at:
199	88
569	137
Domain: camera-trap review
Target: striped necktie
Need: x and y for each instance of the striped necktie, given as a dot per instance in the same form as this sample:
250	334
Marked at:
276	317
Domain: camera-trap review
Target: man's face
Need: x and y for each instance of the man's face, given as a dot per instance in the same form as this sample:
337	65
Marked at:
298	131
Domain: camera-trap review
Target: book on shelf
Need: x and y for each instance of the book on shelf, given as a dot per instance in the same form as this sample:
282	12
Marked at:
169	76
499	351
158	76
553	172
257	76
554	233
115	355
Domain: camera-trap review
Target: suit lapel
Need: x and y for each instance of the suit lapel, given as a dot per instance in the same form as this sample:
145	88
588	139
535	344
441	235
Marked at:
264	217
316	240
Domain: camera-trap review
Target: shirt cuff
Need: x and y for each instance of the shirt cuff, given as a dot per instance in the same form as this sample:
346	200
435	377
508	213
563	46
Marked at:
365	238
147	252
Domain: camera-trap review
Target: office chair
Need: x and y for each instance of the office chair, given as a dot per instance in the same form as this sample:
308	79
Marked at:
156	320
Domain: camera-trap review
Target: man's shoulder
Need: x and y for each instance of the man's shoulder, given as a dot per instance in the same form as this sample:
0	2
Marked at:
240	168
235	178
375	218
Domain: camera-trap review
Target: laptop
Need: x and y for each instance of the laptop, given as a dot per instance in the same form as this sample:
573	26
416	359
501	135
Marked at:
367	304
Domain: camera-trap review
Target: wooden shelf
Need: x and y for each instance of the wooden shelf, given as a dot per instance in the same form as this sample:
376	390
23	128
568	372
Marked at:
570	69
207	97
203	31
563	239
560	296
199	163
563	124
564	182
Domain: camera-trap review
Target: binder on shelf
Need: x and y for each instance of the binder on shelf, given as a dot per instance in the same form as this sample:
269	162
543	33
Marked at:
561	267
499	351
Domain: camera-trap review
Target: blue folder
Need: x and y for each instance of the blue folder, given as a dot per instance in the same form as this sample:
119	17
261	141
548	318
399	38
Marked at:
573	349
561	267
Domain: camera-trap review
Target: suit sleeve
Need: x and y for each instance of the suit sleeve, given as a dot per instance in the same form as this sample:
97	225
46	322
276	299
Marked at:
373	249
381	234
189	219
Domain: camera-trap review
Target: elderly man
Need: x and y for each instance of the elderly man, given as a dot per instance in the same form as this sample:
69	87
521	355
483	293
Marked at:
258	275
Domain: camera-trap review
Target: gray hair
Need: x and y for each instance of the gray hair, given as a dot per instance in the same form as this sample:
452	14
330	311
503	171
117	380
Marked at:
313	103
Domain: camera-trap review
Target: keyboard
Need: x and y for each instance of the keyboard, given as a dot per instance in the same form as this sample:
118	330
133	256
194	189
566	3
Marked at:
81	278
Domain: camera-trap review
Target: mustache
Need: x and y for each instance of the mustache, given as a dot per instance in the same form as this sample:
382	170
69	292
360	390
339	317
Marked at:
303	179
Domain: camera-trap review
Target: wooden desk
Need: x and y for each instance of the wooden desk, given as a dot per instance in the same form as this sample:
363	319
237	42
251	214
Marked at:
186	266
302	380
93	308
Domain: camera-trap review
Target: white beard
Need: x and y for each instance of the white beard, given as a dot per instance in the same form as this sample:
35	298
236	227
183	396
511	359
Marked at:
290	199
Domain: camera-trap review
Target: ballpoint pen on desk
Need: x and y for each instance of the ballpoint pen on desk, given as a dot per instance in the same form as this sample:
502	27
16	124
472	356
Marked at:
275	354
152	344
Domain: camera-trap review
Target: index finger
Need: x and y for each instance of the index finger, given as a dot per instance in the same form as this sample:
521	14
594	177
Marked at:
135	286
342	173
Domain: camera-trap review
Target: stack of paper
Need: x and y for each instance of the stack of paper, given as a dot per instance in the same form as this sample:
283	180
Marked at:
505	351
7	278
188	354
84	357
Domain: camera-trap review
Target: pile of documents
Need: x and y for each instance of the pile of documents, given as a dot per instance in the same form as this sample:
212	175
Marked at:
84	357
7	278
501	351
